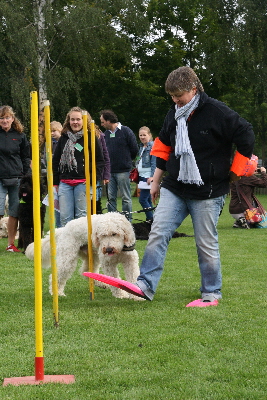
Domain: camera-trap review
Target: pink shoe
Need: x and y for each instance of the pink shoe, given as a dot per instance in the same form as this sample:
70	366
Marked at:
201	303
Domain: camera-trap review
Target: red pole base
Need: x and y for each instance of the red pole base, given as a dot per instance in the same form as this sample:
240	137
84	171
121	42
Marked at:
30	380
39	368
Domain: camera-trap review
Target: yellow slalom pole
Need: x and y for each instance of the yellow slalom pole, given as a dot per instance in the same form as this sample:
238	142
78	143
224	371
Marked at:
93	139
51	211
39	359
88	200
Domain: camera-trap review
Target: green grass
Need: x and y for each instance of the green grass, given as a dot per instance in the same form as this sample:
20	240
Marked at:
130	350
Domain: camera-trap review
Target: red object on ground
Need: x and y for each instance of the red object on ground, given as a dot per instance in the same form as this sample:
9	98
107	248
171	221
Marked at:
119	283
30	380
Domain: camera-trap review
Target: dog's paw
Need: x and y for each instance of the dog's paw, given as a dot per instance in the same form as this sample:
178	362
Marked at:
120	294
101	285
136	298
60	293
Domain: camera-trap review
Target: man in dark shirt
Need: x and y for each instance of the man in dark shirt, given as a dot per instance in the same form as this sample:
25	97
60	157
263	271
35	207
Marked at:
123	148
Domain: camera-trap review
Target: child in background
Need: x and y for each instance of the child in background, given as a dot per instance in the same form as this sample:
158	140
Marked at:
146	167
56	128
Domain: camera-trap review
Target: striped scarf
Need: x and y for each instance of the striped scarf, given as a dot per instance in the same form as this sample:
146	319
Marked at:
189	172
67	158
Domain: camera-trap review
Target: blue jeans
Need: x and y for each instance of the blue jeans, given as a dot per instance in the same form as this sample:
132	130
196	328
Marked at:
146	202
13	199
57	219
72	202
120	181
169	214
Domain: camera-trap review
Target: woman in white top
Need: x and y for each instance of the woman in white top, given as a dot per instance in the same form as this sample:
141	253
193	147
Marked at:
146	165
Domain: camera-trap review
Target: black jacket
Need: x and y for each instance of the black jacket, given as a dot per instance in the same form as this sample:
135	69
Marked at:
79	155
122	148
213	128
14	154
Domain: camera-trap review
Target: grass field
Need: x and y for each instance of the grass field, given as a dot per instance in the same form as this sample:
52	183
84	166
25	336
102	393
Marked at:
130	350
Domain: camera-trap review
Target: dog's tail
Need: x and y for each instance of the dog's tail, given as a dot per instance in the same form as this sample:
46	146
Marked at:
46	260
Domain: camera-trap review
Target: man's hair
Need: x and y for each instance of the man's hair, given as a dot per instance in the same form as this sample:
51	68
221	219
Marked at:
109	115
182	79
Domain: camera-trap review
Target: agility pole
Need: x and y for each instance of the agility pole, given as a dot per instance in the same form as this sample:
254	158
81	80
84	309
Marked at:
39	377
88	201
93	138
49	169
39	359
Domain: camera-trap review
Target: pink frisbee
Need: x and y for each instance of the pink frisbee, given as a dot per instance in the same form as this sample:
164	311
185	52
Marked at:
119	283
200	303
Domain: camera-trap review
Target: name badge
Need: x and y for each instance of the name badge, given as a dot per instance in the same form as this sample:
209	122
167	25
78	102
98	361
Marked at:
112	134
78	146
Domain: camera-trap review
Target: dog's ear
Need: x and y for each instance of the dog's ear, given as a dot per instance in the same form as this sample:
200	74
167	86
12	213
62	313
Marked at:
94	237
129	235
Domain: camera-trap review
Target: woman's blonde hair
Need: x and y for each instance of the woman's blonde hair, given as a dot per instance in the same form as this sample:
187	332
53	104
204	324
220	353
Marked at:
8	111
145	128
56	126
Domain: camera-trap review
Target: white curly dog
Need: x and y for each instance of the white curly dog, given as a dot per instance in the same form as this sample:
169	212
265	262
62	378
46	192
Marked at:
113	242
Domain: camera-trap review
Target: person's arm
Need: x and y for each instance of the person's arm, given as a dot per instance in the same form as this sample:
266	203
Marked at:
153	168
25	155
106	172
155	184
99	158
261	181
55	163
132	142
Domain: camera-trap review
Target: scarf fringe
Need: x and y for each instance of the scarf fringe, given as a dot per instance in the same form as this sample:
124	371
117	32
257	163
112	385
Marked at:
191	182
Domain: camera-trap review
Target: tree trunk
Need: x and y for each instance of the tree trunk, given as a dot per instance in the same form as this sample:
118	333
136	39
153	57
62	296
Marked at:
40	6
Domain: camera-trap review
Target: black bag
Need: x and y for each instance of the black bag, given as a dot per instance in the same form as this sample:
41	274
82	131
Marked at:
10	181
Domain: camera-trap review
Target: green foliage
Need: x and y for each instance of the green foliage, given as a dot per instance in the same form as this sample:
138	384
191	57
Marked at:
136	350
117	54
79	38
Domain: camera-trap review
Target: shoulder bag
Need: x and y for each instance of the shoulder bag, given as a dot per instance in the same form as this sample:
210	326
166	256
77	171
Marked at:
253	214
10	181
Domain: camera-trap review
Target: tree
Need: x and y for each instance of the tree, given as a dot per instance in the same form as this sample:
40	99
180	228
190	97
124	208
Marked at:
54	46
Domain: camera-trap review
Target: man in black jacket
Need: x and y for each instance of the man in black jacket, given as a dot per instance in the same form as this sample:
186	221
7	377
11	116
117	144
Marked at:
122	148
194	146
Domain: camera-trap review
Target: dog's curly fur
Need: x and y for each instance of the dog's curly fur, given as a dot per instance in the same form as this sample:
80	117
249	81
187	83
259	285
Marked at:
25	212
112	233
3	228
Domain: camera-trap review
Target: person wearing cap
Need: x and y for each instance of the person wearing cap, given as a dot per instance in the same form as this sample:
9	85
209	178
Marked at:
194	146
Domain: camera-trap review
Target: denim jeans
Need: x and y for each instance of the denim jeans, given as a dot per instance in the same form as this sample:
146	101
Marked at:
72	202
146	202
57	219
13	199
120	181
169	214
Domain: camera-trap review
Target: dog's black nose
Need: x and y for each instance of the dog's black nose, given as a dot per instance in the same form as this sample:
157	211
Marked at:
109	250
